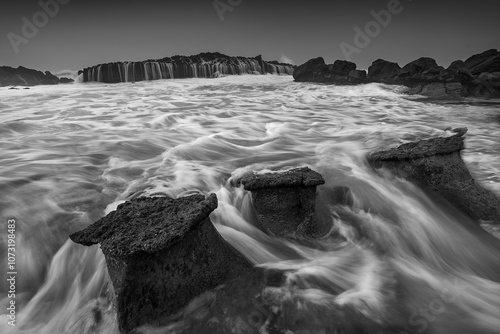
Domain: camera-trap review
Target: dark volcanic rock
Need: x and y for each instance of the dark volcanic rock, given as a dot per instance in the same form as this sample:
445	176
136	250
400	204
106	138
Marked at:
161	252
342	67
23	76
285	201
415	67
341	72
436	164
383	71
488	61
310	70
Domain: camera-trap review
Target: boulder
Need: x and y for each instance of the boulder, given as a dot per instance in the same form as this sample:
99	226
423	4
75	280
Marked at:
342	67
438	89
436	165
383	71
161	253
357	75
487	61
285	201
310	70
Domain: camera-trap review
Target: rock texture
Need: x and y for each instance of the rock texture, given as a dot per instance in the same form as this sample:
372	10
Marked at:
161	253
203	65
23	76
436	164
478	76
340	72
285	201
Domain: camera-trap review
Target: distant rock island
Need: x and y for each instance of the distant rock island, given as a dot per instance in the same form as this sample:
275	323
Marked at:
203	65
23	76
478	76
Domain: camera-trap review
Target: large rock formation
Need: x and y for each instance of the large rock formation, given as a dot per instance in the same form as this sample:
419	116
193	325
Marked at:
23	76
285	201
161	253
203	65
478	76
436	164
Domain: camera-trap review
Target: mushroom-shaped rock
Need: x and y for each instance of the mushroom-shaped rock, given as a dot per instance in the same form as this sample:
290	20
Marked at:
436	164
160	253
285	201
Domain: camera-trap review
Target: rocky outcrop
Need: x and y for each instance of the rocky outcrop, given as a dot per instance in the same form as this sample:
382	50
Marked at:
478	76
340	72
161	253
285	201
436	165
23	76
203	65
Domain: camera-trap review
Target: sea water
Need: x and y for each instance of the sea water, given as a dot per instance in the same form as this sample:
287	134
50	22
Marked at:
69	154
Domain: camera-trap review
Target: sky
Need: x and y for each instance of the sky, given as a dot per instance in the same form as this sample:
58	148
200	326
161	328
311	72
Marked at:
73	34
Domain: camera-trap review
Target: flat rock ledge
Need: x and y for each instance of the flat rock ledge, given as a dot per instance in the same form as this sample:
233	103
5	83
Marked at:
285	201
161	253
436	164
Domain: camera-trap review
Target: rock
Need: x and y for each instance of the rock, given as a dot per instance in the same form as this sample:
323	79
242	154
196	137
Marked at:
436	164
203	65
383	71
23	76
357	75
487	61
309	71
285	201
417	66
66	80
438	89
342	67
161	253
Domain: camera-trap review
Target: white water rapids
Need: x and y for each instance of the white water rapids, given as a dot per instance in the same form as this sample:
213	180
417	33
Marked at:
71	153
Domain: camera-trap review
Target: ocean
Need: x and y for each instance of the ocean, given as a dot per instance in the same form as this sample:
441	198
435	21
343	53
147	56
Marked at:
71	153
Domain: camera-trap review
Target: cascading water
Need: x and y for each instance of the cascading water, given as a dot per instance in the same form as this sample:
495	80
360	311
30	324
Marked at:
72	153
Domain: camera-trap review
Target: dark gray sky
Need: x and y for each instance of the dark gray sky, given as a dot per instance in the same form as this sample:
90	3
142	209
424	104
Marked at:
88	32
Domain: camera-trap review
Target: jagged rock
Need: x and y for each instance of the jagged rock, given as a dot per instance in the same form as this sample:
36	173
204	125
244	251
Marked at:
161	252
285	201
383	71
415	67
438	89
23	76
310	70
436	164
342	67
487	61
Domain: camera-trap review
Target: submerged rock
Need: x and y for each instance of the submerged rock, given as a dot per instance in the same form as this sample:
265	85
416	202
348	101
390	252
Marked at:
161	253
436	164
285	201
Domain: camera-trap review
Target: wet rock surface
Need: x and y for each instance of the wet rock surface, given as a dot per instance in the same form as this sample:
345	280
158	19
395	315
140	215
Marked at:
285	201
161	253
436	164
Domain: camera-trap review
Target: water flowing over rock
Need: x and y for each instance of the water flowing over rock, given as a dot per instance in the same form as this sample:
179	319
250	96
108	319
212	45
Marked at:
23	76
436	164
203	65
285	201
161	253
478	76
